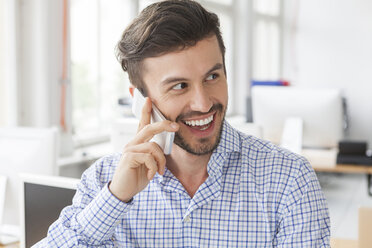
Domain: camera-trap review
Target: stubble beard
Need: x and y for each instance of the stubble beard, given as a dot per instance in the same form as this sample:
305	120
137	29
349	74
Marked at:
205	146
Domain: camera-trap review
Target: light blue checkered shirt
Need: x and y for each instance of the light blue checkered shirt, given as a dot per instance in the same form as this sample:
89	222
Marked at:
256	195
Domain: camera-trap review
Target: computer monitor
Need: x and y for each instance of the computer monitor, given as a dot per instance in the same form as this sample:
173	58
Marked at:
320	110
24	150
42	200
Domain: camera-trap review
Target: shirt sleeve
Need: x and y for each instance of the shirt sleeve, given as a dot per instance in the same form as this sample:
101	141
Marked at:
93	216
305	218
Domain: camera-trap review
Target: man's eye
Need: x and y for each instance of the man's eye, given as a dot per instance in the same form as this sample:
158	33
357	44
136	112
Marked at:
212	76
179	86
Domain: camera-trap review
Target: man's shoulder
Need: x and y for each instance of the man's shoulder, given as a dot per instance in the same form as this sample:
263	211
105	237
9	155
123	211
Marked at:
259	154
272	169
247	142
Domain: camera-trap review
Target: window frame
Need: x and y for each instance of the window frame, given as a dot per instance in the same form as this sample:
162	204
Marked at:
101	136
269	18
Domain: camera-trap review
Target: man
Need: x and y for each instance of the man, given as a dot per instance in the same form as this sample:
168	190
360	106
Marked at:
218	187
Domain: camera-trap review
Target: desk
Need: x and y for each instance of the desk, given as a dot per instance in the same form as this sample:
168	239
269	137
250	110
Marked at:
343	243
349	168
14	245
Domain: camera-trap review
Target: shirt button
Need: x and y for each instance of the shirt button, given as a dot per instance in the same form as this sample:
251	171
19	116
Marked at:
187	219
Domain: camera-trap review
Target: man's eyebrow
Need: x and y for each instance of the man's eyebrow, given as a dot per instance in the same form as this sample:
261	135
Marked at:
178	79
172	80
217	66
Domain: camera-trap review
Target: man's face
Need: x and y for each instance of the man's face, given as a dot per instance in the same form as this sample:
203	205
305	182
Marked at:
189	87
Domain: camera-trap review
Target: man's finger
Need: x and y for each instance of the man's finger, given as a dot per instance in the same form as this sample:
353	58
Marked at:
150	148
147	160
149	131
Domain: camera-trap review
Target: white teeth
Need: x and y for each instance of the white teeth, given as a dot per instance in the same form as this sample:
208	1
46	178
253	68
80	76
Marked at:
200	122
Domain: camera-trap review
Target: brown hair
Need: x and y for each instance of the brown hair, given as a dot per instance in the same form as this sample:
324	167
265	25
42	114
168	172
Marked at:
161	28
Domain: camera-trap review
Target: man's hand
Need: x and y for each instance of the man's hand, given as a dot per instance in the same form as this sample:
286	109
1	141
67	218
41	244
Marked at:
141	159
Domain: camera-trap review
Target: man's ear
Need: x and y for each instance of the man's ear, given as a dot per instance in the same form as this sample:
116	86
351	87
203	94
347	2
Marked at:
131	90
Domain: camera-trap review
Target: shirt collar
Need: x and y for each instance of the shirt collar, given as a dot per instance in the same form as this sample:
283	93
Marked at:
229	143
230	140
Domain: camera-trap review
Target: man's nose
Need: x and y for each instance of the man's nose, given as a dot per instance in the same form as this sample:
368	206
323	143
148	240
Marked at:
200	100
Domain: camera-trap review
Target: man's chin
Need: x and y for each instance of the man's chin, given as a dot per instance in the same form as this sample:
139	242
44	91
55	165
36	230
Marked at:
201	146
203	141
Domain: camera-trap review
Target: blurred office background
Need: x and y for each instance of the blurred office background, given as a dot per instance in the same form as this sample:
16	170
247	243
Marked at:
58	69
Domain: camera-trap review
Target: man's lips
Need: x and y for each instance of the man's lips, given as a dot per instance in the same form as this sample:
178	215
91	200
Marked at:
202	128
200	121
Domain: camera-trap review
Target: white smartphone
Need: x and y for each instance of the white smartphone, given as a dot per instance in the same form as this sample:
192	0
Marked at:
164	139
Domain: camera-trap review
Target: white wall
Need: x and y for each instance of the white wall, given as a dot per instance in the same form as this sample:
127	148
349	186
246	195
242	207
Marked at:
329	44
8	77
40	62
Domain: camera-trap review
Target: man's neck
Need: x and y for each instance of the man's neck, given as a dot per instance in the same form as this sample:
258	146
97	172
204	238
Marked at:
189	169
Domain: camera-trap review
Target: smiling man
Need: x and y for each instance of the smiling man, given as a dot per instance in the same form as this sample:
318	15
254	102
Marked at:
218	187
191	86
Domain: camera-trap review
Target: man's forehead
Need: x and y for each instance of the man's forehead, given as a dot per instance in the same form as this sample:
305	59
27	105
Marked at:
199	58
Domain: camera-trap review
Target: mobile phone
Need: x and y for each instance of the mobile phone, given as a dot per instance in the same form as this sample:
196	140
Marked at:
164	139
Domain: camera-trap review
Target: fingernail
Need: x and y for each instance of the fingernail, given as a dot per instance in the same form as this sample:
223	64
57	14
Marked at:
174	125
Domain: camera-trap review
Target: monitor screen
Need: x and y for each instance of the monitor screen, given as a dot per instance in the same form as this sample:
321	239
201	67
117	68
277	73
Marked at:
43	205
320	110
44	197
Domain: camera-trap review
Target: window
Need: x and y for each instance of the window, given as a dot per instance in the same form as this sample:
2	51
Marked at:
96	76
267	39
